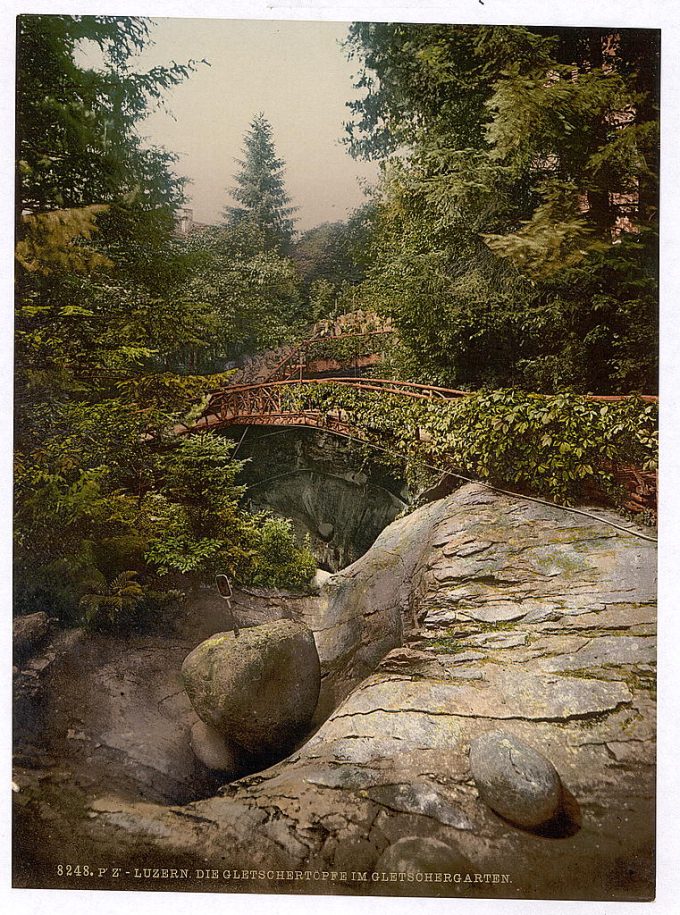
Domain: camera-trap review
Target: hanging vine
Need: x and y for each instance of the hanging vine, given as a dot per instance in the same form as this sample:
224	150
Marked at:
559	446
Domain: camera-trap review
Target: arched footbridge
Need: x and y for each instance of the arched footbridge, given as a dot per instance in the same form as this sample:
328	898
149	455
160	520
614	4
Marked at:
338	405
295	402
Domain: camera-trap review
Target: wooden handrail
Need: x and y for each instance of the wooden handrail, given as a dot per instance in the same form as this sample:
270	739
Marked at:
397	387
376	384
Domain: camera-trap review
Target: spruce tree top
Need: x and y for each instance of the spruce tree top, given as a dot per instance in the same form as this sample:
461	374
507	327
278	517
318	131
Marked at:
260	188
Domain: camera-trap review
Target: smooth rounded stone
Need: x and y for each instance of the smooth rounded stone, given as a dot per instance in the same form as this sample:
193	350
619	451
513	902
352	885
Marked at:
515	780
259	690
426	855
325	530
212	749
320	578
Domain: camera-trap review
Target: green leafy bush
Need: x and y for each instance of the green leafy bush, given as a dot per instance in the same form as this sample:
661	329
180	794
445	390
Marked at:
556	446
198	529
109	604
278	561
344	349
550	445
123	603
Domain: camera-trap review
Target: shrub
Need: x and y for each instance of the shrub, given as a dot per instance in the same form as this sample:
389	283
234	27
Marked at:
279	562
123	603
556	446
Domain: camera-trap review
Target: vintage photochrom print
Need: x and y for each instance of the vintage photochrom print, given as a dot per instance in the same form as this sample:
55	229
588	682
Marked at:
335	457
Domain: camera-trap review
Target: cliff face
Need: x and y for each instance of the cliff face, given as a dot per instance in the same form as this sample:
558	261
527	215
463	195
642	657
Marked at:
477	614
321	483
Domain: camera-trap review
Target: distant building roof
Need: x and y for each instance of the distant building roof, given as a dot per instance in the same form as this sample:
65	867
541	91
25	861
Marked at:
185	225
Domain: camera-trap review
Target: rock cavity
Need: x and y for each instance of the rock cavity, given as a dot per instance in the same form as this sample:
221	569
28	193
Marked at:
325	486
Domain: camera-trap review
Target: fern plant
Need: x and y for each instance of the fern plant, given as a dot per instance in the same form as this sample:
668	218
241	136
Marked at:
109	605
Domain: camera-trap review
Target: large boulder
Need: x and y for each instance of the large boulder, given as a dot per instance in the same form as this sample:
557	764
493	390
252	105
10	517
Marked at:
258	690
319	579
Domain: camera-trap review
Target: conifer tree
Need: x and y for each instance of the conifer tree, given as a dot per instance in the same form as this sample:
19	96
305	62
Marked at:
516	230
260	188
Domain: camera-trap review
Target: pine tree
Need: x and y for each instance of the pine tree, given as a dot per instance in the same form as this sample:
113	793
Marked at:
260	188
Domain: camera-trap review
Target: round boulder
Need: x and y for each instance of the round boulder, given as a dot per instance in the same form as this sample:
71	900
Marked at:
515	780
212	749
320	578
325	530
259	690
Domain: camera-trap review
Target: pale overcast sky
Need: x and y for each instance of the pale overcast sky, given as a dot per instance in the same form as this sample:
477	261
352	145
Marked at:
296	73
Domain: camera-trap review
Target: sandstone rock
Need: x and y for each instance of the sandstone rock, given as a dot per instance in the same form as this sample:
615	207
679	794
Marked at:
365	609
609	651
424	855
212	749
354	854
497	613
421	798
320	578
389	759
260	689
28	631
514	780
412	662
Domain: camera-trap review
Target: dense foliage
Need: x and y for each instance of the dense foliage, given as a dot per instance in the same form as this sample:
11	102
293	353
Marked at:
515	236
75	139
252	292
278	561
111	336
345	348
332	259
197	526
563	446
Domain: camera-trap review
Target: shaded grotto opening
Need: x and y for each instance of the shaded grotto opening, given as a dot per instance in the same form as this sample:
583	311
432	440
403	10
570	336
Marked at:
325	484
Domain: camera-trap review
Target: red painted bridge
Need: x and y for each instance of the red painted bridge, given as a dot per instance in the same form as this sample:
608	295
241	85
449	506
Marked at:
295	402
269	403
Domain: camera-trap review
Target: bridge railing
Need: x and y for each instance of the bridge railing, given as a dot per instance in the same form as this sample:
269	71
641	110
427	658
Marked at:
321	403
232	400
233	395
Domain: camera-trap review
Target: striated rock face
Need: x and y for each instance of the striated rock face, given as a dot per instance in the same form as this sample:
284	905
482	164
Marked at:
475	615
364	611
321	483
